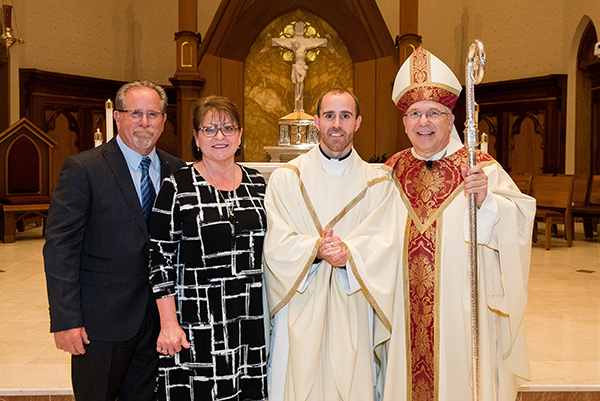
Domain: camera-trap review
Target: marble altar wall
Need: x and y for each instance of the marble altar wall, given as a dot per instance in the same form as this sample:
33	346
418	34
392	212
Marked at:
269	91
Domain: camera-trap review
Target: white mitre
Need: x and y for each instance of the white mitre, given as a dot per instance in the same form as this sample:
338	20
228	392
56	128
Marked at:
423	76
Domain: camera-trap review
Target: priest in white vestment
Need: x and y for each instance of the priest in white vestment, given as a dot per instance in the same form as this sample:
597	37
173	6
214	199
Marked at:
433	181
331	264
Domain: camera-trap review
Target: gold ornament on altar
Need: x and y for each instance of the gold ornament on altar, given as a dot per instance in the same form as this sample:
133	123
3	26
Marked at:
298	129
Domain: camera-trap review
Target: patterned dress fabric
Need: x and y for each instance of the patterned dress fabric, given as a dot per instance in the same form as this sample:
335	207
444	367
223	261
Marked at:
206	250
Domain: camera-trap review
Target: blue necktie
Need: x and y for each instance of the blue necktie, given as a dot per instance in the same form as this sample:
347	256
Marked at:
148	192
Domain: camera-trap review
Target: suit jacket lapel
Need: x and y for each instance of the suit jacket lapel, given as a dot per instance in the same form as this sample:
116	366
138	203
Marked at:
120	170
165	167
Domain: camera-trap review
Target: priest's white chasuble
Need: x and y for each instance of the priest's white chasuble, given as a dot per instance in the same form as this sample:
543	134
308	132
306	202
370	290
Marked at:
337	320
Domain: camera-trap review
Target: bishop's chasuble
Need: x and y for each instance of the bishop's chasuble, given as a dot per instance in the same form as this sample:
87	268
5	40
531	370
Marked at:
436	280
337	320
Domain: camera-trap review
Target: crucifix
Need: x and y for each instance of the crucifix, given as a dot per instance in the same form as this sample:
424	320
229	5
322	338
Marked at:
299	45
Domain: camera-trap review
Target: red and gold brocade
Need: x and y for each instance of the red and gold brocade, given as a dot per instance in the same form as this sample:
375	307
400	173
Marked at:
426	194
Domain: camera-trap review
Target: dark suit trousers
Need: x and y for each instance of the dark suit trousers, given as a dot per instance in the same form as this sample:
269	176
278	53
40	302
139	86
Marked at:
125	370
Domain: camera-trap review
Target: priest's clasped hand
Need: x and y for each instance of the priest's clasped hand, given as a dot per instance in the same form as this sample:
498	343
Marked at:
332	250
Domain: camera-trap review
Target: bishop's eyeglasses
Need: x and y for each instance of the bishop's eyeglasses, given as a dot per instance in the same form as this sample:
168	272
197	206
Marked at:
210	131
431	115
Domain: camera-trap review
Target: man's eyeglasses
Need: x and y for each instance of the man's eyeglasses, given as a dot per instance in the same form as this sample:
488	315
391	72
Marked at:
211	130
431	115
138	115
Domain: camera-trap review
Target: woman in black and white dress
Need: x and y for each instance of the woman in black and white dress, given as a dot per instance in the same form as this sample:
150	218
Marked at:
207	230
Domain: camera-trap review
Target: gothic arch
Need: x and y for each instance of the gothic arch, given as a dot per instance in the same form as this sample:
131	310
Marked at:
238	22
587	145
50	123
585	100
538	131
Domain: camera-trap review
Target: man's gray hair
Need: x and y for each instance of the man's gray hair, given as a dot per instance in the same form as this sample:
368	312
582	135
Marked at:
120	97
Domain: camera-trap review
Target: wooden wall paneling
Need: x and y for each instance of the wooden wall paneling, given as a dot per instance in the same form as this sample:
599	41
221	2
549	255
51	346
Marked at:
525	151
69	109
169	141
507	100
210	69
99	121
593	71
489	125
365	89
595	139
62	126
554	144
387	114
86	119
232	83
4	88
232	87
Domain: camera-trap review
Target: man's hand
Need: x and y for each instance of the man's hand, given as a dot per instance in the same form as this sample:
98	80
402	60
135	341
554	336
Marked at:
331	249
476	182
171	339
72	340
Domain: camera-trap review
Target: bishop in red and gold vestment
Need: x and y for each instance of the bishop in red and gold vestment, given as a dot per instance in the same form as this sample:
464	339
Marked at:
433	182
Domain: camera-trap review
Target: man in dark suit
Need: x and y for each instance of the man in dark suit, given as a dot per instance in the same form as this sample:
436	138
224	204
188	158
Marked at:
96	253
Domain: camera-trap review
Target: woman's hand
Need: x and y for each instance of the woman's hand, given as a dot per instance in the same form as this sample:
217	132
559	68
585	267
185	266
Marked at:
171	339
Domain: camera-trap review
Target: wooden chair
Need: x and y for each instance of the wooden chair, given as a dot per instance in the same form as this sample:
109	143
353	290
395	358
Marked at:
25	169
553	195
591	208
523	181
581	183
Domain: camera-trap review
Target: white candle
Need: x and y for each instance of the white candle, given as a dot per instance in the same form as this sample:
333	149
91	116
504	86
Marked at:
109	119
97	138
484	142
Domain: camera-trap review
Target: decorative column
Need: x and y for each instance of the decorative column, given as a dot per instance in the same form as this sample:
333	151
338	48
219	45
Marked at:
407	42
4	88
187	82
409	38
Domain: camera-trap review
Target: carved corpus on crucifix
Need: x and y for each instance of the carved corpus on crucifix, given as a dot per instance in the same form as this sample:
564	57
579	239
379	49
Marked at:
299	45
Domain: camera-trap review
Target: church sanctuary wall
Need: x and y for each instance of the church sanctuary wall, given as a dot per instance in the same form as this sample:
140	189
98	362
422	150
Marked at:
522	39
120	40
124	40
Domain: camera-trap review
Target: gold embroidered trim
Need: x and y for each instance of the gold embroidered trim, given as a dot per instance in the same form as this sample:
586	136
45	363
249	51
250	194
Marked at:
406	288
355	201
307	201
367	294
298	281
436	314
